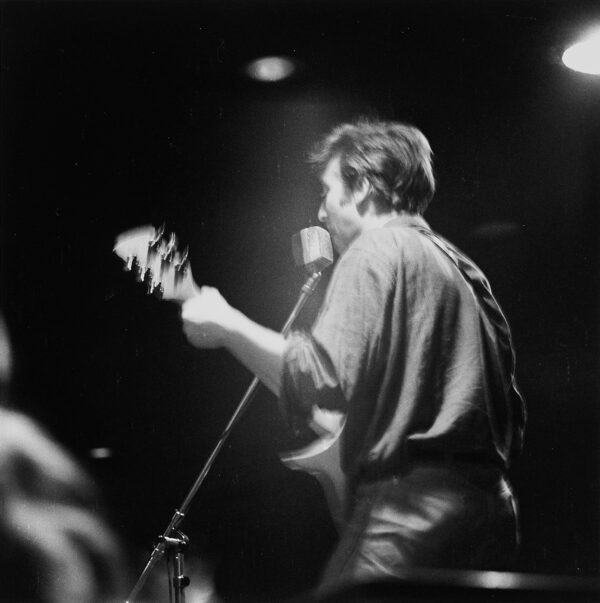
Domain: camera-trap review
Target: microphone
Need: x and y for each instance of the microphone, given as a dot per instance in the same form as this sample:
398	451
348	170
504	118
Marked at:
312	249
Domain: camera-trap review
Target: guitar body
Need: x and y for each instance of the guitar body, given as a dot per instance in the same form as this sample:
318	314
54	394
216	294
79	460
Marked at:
322	460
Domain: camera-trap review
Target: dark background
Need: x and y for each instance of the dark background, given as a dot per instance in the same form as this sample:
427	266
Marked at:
116	114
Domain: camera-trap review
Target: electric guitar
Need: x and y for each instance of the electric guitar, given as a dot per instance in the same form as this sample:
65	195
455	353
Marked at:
157	262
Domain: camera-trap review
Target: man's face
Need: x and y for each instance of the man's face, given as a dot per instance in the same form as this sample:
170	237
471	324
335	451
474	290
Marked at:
338	210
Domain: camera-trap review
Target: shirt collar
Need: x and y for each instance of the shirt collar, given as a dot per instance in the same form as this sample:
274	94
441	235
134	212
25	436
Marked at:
408	220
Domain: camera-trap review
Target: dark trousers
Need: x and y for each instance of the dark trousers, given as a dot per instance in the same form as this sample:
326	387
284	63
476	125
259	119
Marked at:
458	516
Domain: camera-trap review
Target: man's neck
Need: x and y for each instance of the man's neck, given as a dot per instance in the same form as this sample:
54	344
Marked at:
378	219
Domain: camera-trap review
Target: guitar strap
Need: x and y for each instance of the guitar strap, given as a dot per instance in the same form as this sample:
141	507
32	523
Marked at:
473	278
491	309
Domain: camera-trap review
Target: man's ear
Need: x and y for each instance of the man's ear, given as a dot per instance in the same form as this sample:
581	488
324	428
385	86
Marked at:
362	195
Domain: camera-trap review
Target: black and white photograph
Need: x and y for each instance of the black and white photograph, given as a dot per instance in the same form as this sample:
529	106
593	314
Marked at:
299	301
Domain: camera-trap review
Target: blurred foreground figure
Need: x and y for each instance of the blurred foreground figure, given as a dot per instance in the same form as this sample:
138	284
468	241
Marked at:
56	548
412	349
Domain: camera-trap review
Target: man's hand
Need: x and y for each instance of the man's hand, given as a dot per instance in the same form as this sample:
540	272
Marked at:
210	322
207	319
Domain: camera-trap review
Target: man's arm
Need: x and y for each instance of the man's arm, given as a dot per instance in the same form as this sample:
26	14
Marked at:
210	322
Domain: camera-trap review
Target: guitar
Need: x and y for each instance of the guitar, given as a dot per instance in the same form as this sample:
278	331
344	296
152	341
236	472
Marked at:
157	262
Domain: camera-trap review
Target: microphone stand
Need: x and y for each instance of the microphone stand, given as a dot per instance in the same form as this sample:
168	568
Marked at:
172	537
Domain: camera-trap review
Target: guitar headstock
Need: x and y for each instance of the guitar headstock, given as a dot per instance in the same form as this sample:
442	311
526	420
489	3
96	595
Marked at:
156	261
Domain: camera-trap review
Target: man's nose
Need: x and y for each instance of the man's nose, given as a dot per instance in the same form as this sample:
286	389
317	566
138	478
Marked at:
322	214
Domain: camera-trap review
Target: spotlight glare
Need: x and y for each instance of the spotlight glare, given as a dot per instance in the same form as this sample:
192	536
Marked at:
271	69
585	55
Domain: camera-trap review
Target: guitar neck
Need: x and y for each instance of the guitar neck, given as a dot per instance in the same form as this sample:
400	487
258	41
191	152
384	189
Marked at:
180	289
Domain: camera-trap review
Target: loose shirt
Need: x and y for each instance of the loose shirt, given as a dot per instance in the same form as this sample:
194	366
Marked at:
412	346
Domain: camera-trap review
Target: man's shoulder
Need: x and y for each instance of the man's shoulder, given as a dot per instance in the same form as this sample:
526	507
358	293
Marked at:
396	239
382	253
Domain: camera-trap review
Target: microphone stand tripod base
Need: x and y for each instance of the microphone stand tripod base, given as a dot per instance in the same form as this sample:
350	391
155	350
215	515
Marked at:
178	546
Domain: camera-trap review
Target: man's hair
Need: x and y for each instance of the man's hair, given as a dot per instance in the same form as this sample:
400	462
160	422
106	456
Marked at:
395	158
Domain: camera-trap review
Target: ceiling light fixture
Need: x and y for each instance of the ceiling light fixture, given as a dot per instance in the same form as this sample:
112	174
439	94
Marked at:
270	69
584	56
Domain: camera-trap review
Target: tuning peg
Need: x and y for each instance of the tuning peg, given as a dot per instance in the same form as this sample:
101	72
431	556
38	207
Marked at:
140	273
129	263
165	264
181	266
154	244
149	281
158	233
171	247
183	258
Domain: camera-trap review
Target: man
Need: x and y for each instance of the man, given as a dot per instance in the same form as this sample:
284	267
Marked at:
412	347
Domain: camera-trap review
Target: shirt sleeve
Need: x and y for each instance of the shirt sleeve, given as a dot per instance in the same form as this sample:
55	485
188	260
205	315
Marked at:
338	361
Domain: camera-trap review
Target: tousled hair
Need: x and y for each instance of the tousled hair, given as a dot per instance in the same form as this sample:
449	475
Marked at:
395	158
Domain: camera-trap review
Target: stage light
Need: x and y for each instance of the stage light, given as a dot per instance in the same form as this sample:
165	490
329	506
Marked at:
585	55
270	69
101	453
